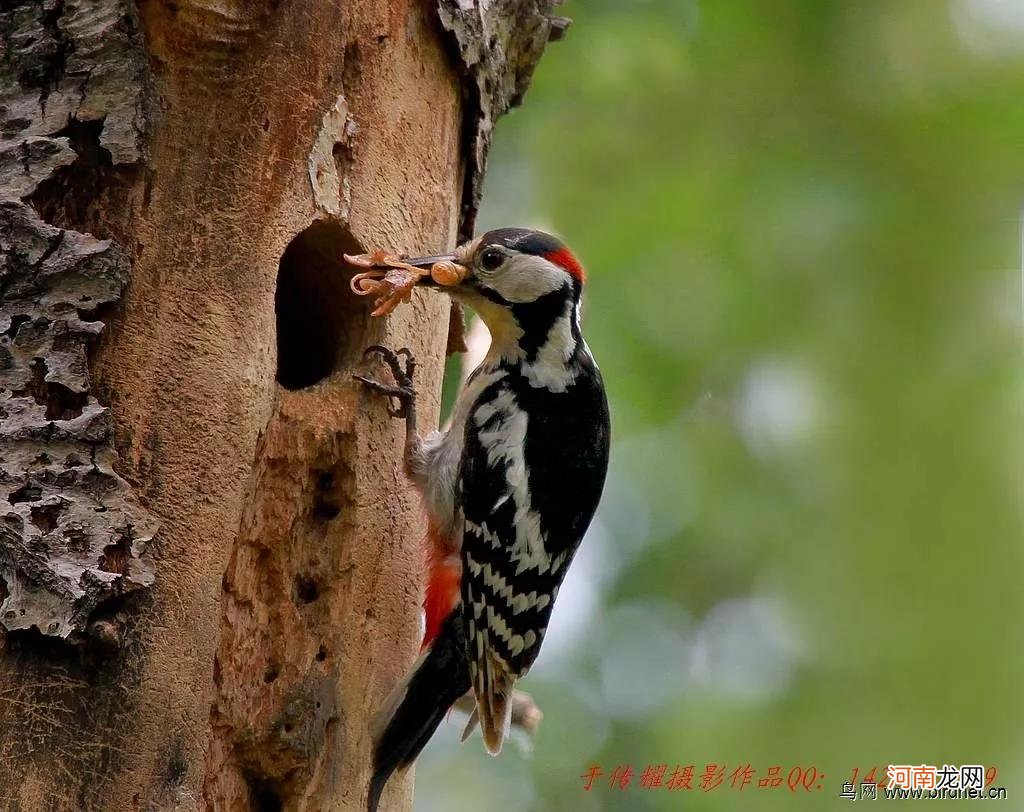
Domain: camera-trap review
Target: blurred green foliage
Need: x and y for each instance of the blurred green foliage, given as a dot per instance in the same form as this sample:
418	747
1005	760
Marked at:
801	223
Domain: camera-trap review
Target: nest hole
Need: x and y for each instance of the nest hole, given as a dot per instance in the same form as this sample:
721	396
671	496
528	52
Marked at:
320	322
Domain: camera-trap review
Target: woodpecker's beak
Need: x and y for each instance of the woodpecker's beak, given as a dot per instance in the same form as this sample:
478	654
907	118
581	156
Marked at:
428	262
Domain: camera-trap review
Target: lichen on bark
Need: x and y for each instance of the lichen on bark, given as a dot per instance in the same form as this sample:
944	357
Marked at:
72	534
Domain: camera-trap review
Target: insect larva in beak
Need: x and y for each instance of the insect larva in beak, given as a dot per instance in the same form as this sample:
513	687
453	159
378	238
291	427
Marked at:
448	273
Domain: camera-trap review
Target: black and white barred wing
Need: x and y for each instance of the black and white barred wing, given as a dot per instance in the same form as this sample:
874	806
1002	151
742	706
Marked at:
509	580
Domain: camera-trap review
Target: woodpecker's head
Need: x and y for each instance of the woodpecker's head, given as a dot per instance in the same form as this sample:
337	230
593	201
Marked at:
513	266
520	282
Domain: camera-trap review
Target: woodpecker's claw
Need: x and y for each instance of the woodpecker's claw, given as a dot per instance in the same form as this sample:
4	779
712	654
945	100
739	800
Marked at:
403	390
402	376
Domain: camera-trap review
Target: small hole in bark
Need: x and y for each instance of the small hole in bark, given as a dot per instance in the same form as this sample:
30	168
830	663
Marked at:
307	589
117	557
325	500
16	323
61	403
99	312
45	517
26	493
321	654
288	727
319	320
263	797
271	674
68	197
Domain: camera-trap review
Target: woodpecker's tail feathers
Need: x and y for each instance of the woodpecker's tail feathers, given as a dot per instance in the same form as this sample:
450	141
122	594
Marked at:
418	704
471	723
493	683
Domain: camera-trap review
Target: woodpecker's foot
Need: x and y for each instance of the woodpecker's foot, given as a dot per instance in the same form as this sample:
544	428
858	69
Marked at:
402	390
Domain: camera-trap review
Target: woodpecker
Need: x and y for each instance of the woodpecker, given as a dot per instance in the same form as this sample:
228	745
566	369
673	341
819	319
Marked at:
510	487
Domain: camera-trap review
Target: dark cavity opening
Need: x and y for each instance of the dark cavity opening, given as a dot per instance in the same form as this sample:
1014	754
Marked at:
320	322
326	497
79	195
307	589
29	492
46	517
61	403
263	797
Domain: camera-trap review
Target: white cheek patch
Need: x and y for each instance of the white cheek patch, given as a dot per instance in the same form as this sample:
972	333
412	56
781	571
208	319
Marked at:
551	369
525	278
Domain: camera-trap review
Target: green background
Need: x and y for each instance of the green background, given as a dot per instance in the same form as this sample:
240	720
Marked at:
801	225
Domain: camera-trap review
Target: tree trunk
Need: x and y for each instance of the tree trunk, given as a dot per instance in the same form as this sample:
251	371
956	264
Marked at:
210	559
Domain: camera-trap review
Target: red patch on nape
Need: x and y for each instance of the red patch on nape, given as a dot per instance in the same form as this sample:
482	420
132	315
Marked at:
566	260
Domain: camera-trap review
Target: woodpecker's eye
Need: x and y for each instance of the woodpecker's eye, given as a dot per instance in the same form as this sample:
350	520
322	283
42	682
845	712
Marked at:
491	259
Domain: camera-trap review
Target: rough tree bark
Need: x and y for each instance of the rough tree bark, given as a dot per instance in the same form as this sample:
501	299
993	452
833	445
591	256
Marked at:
209	559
